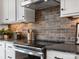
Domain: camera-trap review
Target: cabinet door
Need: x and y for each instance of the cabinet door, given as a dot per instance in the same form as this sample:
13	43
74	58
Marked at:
29	15
7	12
60	55
52	54
77	57
24	14
11	11
69	7
20	11
2	50
10	52
68	55
3	11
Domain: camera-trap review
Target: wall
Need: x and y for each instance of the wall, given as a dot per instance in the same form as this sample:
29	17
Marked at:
49	25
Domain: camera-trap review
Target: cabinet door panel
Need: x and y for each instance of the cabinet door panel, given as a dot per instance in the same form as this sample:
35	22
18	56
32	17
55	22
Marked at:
53	54
11	10
69	6
1	9
68	56
5	10
29	15
77	57
2	50
24	14
20	11
10	52
60	55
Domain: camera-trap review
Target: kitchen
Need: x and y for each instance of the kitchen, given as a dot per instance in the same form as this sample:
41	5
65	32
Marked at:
51	26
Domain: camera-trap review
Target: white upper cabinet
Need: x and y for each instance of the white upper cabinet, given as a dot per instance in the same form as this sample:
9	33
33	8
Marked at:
69	8
7	11
12	13
24	14
20	11
3	11
29	15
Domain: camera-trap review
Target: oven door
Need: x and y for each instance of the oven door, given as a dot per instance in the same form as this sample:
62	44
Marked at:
27	54
20	55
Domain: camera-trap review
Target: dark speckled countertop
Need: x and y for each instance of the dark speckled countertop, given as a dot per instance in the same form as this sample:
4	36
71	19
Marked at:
60	46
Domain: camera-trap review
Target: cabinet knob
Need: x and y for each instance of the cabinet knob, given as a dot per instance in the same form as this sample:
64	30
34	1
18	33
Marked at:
58	58
22	16
6	19
62	9
9	57
9	47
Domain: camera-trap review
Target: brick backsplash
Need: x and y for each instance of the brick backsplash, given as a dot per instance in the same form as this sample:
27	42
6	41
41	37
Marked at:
50	26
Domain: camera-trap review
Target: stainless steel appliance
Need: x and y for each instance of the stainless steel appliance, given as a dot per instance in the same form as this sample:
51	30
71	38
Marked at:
40	4
30	51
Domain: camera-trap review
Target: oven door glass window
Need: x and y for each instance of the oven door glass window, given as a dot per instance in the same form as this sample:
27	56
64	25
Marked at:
25	56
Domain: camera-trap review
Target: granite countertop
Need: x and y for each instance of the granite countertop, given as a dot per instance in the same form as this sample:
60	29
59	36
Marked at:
71	48
60	46
63	47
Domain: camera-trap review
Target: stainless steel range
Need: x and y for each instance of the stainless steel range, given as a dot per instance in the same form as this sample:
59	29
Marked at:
30	51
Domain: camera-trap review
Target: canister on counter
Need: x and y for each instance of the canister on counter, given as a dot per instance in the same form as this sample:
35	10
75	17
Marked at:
30	39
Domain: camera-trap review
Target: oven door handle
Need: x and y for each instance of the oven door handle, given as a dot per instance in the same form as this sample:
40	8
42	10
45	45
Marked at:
31	53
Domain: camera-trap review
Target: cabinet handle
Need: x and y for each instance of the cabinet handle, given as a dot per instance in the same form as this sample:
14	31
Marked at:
9	57
9	47
6	19
62	9
22	16
58	58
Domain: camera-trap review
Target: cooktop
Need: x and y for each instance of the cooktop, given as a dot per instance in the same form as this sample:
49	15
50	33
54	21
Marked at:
35	47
